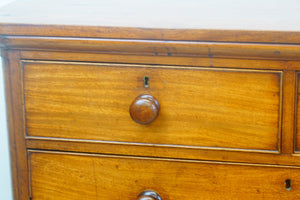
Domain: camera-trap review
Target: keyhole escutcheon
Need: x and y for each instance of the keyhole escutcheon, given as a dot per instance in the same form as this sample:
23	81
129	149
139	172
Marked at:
288	184
146	81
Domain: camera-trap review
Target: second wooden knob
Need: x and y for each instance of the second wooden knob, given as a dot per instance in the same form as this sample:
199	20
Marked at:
149	195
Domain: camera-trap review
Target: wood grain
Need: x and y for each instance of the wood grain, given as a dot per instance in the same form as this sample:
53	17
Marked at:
199	107
297	125
157	47
228	126
162	60
288	121
9	110
163	151
284	37
114	177
16	119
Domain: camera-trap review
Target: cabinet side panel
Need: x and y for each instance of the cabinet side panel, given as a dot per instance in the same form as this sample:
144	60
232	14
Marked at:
16	123
9	114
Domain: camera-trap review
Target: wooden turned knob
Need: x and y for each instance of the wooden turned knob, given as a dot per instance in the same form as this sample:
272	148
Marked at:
149	195
144	109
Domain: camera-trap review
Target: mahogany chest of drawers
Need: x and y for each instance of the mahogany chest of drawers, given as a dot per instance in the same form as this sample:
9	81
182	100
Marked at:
130	100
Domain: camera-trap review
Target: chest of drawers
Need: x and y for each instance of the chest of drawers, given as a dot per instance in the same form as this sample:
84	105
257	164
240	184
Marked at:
121	102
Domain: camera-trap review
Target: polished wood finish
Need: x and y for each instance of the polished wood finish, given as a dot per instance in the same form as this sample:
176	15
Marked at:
157	47
199	107
113	177
284	37
228	122
288	107
16	125
9	109
297	125
211	62
145	108
164	151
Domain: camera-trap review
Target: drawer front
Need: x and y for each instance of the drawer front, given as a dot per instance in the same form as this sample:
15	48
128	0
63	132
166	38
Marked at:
62	176
198	107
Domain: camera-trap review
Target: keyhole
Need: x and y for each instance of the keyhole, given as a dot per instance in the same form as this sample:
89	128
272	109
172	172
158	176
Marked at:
146	81
288	184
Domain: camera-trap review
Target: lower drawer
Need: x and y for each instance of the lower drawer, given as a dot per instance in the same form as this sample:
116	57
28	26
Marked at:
63	176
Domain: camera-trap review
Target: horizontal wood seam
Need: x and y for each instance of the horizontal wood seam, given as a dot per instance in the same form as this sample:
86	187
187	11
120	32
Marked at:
156	158
158	47
37	138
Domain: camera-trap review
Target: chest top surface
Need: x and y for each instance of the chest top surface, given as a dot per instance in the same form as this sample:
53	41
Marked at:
240	21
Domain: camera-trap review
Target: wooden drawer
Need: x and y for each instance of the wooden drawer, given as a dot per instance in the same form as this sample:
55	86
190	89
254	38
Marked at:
199	106
63	176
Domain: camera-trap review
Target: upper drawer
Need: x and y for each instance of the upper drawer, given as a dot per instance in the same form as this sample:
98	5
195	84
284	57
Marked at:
198	107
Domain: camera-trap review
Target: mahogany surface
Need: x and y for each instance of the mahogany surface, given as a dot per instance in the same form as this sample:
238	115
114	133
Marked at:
225	76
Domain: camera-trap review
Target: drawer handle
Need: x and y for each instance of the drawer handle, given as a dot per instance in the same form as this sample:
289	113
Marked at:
149	195
144	109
